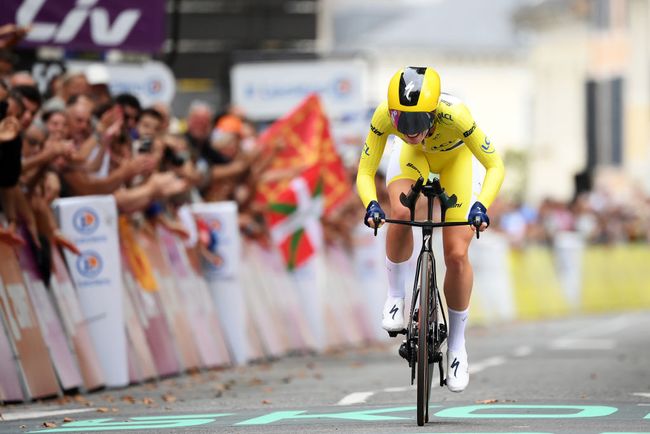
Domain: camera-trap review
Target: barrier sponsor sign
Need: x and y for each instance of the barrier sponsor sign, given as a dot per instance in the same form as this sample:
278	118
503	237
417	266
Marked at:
220	263
23	329
91	223
74	324
148	306
171	303
10	389
90	24
51	328
192	297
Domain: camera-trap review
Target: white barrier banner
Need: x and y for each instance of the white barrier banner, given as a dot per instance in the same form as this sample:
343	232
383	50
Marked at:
91	223
217	222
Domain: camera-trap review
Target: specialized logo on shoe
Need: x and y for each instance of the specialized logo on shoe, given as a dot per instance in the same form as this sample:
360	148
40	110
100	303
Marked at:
393	310
454	365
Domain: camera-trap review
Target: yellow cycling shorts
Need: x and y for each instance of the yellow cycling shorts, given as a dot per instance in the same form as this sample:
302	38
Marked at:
460	173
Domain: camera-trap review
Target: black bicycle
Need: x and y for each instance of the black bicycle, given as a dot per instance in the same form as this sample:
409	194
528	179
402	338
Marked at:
427	325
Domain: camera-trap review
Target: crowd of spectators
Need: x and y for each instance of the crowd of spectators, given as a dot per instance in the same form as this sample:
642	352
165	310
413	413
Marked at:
597	217
78	139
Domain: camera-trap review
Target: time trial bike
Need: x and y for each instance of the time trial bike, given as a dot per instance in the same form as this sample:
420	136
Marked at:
426	330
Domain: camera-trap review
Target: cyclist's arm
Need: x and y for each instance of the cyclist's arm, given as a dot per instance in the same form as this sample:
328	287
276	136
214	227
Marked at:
484	151
371	154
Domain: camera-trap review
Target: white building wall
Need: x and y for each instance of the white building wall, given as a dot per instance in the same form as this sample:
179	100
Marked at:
558	63
637	94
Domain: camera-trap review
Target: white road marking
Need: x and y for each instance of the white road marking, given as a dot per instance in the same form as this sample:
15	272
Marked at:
355	398
487	363
583	344
399	389
43	414
522	351
593	337
642	394
361	397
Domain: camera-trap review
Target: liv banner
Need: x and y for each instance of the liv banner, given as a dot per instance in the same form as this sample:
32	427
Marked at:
90	24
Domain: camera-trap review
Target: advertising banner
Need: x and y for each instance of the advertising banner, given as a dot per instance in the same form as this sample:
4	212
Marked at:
96	25
23	329
51	328
151	81
218	224
269	90
10	389
74	324
91	223
154	325
193	298
171	301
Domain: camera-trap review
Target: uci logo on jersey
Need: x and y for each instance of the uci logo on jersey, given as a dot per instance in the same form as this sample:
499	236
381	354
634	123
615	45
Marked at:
85	221
487	147
89	264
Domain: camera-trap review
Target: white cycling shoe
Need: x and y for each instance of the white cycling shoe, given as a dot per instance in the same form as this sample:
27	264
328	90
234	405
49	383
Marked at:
457	370
393	315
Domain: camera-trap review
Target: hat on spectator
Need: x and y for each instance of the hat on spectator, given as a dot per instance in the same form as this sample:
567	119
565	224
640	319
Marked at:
229	124
97	74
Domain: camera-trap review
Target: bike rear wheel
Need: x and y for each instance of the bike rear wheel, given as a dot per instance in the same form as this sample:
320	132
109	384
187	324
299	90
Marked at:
424	368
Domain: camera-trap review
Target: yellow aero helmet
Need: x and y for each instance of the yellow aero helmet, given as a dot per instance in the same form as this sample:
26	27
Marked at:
413	93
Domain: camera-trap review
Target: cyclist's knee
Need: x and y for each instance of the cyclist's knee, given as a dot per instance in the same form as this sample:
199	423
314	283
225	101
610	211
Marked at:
400	212
456	259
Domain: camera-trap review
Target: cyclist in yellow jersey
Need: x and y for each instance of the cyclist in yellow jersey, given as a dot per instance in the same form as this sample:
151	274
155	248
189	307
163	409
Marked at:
434	133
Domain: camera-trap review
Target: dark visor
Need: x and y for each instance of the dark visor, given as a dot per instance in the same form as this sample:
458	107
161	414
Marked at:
410	123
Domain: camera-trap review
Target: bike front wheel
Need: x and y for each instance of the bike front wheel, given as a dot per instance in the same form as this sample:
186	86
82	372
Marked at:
424	368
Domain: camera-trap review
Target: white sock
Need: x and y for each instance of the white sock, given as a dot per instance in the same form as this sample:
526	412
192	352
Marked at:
396	273
457	322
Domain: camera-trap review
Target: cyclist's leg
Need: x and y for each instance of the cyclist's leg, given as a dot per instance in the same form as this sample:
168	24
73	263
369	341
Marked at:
462	177
406	164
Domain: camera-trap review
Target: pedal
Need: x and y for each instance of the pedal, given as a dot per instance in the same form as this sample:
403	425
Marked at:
395	333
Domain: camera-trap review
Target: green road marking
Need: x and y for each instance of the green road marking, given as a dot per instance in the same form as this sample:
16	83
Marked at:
362	415
584	411
144	422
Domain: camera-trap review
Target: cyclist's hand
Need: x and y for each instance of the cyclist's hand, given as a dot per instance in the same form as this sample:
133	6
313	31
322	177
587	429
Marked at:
478	216
373	213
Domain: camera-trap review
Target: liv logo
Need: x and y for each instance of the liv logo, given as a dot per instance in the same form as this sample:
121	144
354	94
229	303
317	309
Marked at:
85	221
102	32
89	264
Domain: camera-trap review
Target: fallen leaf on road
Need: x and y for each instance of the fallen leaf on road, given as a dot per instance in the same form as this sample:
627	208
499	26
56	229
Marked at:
266	401
148	401
255	382
128	398
49	424
169	397
67	419
487	401
102	410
